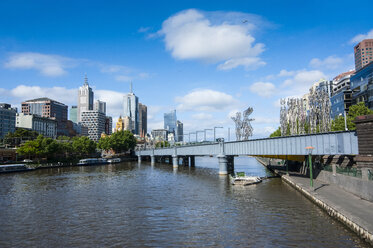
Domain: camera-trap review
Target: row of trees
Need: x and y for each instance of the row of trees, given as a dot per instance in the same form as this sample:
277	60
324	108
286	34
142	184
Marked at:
66	148
338	124
61	148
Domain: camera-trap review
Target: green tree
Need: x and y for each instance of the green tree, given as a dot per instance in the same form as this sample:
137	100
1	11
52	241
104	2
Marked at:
359	109
19	135
122	141
83	145
276	133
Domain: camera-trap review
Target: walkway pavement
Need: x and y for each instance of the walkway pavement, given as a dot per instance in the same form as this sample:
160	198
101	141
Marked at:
348	208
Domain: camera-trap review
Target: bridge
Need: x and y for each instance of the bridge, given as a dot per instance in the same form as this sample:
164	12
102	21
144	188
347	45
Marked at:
288	147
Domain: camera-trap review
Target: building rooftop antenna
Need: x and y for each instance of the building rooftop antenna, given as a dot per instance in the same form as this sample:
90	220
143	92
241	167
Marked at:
85	79
131	90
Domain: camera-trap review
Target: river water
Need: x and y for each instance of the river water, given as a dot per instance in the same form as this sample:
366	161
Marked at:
132	205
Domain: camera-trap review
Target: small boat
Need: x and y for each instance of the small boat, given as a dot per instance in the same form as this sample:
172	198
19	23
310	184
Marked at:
240	178
92	161
13	168
114	160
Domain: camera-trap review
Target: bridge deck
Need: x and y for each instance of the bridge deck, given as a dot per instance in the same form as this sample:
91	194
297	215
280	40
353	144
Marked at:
336	143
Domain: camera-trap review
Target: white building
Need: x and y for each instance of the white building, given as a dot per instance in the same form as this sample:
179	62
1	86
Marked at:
95	122
42	125
85	99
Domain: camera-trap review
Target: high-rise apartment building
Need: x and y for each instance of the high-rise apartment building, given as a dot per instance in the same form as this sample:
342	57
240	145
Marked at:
100	106
363	53
143	120
362	86
7	119
85	99
73	114
131	110
170	121
95	121
49	108
341	98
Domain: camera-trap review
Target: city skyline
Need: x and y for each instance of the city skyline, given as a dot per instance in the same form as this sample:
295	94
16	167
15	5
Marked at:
276	52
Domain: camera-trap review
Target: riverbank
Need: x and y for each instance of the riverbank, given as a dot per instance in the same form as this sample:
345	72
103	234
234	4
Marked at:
32	167
353	211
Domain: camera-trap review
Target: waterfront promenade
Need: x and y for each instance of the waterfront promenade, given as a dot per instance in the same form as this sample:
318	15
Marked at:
348	208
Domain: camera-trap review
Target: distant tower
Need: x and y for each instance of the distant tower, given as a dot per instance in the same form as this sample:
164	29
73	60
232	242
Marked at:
170	121
85	98
131	110
363	53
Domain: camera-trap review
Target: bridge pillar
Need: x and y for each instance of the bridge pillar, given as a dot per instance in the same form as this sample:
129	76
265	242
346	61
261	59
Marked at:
185	160
152	160
230	164
175	161
139	158
223	165
192	161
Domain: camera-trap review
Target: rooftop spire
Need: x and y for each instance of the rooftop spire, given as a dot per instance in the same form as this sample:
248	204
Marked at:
85	79
131	91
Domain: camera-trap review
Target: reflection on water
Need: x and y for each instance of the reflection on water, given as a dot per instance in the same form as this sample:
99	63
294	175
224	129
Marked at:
139	205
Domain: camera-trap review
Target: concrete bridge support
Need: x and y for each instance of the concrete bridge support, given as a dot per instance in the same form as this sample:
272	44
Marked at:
139	159
185	161
230	164
152	160
175	161
223	164
192	161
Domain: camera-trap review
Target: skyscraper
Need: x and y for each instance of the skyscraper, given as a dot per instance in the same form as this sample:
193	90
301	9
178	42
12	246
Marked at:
143	120
363	53
179	131
73	115
85	99
170	121
100	106
46	107
131	110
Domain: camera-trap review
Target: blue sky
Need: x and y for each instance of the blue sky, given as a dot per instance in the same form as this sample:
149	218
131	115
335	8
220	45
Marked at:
204	60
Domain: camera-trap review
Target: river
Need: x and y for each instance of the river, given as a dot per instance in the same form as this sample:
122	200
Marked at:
132	205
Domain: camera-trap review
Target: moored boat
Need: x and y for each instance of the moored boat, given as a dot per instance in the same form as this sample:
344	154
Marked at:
240	178
13	168
92	161
114	160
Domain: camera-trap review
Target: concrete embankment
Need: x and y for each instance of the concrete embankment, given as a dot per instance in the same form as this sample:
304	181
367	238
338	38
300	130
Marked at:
353	211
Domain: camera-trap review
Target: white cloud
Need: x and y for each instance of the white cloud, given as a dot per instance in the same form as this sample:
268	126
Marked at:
300	83
47	64
331	62
202	116
191	35
264	89
286	73
61	94
360	37
205	100
247	62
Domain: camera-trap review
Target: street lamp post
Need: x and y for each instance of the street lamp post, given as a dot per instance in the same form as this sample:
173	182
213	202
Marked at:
309	149
205	133
215	133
